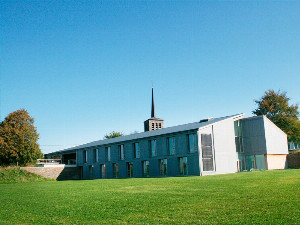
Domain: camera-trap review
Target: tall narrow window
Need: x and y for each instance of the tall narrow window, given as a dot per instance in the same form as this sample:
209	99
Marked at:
96	155
115	170
183	170
121	152
130	169
102	171
192	143
91	172
107	154
152	145
207	152
238	136
171	145
85	156
146	170
163	165
136	150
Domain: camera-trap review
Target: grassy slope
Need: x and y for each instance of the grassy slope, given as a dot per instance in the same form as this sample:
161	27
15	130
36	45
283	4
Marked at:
268	197
15	175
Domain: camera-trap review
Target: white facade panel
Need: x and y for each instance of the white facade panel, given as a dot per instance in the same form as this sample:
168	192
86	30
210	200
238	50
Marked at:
225	157
276	139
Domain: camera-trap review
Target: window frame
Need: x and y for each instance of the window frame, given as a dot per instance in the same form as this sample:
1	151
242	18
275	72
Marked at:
153	151
173	145
136	150
108	153
115	170
121	152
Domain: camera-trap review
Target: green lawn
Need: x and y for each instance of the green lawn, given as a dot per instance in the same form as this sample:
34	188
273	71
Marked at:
260	197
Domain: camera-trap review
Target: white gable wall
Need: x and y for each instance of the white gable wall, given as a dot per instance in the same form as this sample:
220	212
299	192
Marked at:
276	139
223	146
225	150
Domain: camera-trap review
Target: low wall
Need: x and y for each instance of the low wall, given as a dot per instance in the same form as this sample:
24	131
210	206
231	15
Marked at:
57	173
293	160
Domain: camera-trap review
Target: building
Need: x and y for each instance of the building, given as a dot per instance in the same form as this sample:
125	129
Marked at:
211	146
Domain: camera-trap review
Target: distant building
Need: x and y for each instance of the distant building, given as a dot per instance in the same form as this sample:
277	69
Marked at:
211	146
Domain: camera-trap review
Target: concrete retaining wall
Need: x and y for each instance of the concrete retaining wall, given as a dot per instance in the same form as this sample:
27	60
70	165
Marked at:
57	173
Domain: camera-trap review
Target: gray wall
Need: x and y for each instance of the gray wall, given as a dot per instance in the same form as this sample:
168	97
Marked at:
162	153
253	133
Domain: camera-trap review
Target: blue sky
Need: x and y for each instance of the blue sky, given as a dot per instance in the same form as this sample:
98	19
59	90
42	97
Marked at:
85	68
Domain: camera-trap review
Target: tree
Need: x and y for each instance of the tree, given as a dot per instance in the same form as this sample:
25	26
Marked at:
113	135
275	105
18	139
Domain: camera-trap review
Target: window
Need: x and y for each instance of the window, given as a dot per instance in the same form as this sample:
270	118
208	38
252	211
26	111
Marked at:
192	143
163	164
152	145
130	169
91	172
183	166
159	125
136	150
102	171
239	144
238	136
115	170
171	145
207	152
107	154
96	155
145	166
121	152
85	156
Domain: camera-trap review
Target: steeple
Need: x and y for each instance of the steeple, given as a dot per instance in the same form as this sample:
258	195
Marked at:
153	123
153	106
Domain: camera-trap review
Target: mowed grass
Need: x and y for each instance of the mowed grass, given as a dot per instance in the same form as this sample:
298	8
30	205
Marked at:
260	197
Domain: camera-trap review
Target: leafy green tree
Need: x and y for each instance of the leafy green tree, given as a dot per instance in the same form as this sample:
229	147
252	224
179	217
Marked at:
275	105
113	135
18	139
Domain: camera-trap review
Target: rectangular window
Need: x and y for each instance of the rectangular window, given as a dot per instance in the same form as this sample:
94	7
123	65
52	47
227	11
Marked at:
102	171
91	172
183	170
239	144
238	136
130	169
145	166
115	170
85	156
152	145
207	152
96	155
107	154
163	165
171	145
192	143
121	152
136	150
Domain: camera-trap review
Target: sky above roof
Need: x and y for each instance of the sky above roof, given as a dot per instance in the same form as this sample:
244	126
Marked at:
83	69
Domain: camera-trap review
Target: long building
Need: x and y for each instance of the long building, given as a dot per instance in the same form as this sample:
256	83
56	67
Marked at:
211	146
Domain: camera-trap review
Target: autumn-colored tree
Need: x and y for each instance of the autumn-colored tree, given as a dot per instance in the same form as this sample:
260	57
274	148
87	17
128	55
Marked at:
18	139
275	105
113	135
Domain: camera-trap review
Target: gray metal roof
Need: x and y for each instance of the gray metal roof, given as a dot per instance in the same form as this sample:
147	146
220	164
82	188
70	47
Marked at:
153	133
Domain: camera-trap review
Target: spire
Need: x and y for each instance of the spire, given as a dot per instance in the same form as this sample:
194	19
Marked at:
153	106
